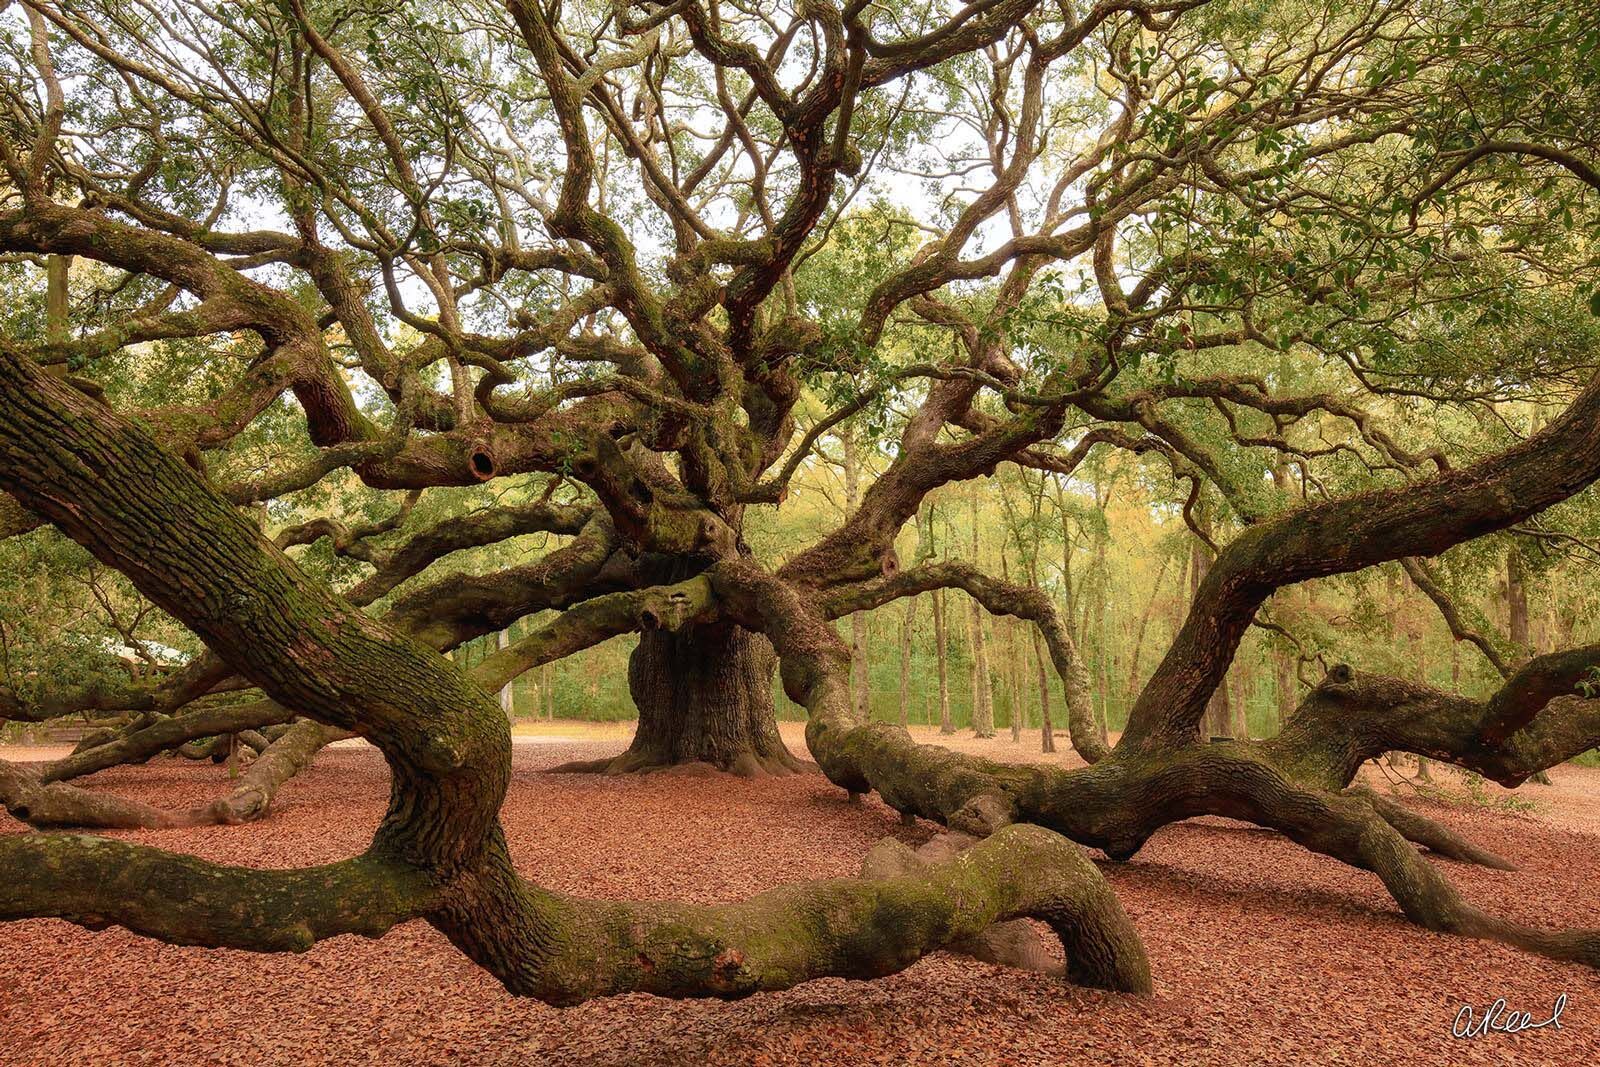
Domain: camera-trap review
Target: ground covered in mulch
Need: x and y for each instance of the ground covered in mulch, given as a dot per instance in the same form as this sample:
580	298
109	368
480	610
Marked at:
1263	953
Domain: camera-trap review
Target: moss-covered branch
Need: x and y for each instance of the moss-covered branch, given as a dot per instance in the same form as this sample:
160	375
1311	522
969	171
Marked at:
669	607
44	802
565	950
451	610
1353	716
167	733
420	550
96	882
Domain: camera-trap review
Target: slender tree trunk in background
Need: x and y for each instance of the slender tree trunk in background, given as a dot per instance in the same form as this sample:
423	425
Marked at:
1144	624
530	680
1243	687
1522	649
1180	606
942	653
1068	591
1517	608
1423	772
1218	719
1198	565
1419	656
1014	698
1047	739
547	686
1010	668
1100	578
1283	667
1563	622
860	682
861	687
982	694
1544	628
508	699
1283	661
1082	629
1047	736
908	626
1285	681
1102	641
57	269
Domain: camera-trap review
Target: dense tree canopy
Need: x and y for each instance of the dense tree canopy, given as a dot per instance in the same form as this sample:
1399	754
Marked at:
694	321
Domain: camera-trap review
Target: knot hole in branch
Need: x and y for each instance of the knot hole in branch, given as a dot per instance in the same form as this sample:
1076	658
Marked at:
481	463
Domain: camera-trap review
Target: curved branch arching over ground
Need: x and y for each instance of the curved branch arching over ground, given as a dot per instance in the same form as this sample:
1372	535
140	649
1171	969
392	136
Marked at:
1292	784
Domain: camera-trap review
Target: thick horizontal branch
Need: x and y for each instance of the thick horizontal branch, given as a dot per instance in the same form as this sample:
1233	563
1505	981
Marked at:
473	530
182	900
167	733
565	951
44	801
1353	716
455	609
668	607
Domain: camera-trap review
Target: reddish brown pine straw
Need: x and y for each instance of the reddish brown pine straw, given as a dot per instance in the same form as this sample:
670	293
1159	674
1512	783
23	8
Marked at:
1263	953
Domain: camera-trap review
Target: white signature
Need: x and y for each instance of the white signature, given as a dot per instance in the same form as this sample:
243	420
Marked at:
1497	1020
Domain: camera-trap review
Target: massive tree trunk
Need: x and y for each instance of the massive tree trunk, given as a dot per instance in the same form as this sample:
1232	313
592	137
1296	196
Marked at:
704	695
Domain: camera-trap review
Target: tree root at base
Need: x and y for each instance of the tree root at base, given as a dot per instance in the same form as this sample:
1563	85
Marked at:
745	765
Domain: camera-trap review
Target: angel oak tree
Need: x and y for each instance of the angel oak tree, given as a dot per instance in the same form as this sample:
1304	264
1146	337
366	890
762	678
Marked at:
633	264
